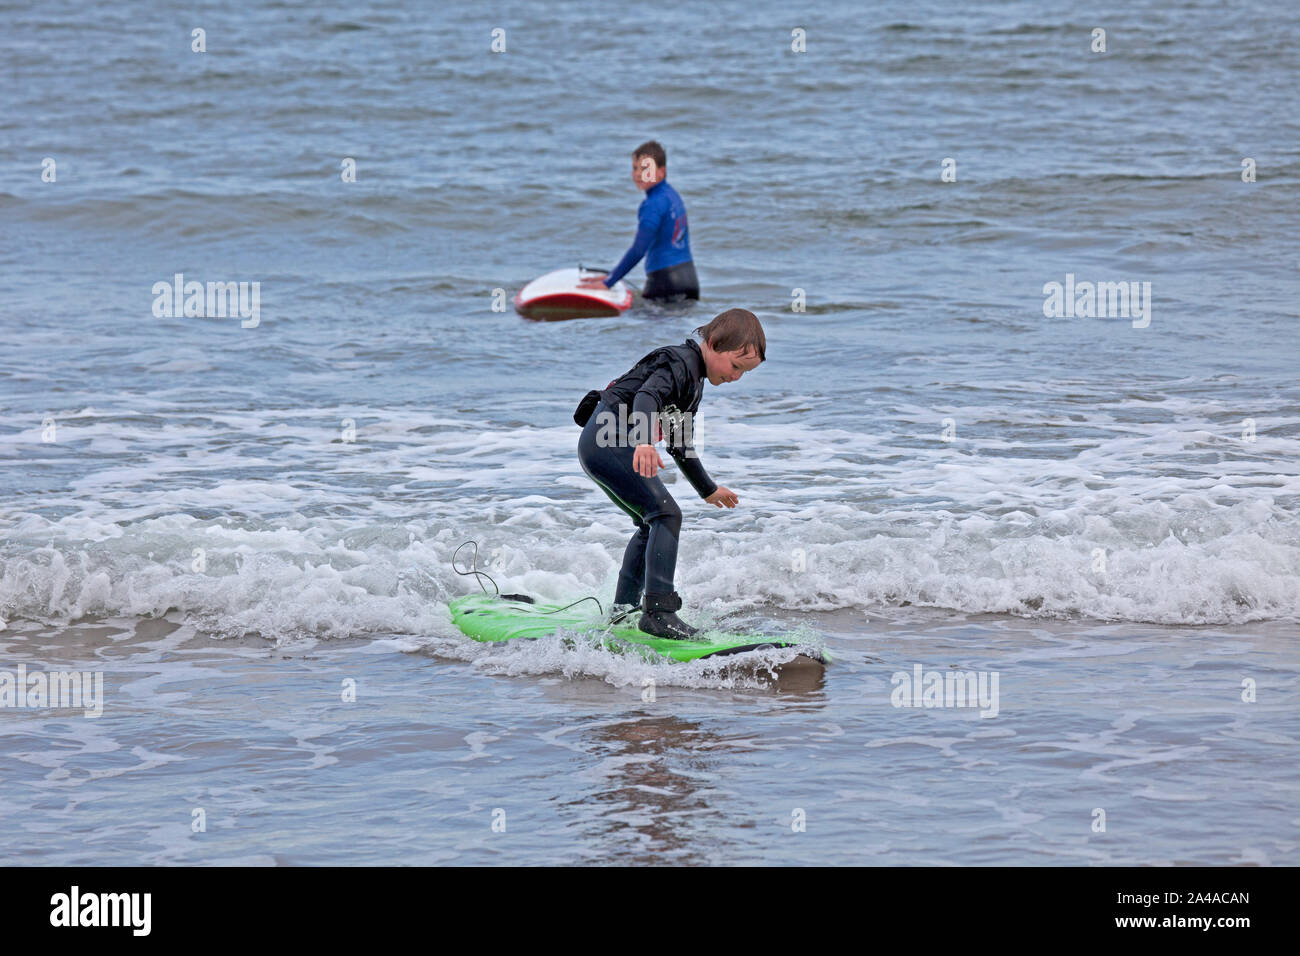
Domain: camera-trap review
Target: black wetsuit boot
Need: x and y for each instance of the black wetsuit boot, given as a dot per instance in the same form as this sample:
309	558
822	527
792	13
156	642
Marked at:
659	618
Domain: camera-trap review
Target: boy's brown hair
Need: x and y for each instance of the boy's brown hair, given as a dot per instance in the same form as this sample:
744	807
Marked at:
735	329
652	149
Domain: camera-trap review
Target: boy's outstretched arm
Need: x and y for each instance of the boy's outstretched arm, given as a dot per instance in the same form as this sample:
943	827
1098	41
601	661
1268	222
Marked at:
710	491
647	225
690	466
647	402
689	463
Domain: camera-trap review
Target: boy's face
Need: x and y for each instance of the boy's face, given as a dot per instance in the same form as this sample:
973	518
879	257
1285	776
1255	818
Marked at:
646	172
728	366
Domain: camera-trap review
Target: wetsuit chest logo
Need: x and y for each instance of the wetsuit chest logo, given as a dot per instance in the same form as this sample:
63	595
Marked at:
676	426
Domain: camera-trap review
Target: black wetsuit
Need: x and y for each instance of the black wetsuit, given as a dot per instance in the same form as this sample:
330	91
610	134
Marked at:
664	388
672	284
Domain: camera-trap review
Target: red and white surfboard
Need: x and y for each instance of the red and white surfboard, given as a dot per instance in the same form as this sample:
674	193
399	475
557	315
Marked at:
557	295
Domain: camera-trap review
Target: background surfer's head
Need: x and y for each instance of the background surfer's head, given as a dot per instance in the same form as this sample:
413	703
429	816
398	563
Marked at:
733	344
649	164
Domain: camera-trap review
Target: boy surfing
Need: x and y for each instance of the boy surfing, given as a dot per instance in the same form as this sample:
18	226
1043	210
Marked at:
621	425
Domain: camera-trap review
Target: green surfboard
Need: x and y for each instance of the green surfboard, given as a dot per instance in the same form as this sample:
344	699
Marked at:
489	617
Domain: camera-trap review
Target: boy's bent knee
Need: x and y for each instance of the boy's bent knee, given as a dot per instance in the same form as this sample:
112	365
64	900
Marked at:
668	513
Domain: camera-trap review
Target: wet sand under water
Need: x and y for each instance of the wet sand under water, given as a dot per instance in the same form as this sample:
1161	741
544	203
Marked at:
573	754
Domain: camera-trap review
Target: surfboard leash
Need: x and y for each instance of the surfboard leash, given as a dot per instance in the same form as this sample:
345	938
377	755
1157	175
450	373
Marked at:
522	598
474	568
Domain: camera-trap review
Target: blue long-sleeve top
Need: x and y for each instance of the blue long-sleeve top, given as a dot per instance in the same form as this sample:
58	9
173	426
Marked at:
661	233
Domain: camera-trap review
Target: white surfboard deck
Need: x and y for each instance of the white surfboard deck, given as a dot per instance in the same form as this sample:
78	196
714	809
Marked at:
557	295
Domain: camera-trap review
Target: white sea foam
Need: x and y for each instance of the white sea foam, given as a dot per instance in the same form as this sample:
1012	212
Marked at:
1141	511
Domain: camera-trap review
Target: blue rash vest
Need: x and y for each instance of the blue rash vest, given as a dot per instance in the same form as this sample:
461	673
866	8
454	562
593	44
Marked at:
661	234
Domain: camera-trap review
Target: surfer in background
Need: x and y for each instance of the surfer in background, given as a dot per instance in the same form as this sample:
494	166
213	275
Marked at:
661	234
617	452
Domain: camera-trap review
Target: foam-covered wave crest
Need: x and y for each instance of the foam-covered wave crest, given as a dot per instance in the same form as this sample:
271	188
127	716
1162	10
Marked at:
1184	562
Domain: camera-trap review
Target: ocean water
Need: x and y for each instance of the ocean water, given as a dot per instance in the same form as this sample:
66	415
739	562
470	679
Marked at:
230	521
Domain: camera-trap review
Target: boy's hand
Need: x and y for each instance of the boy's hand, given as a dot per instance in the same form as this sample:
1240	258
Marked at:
593	282
723	497
646	461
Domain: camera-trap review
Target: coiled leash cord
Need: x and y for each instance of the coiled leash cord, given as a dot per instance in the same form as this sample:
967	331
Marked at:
521	598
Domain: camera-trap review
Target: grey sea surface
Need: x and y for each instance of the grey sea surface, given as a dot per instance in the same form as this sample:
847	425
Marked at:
240	523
